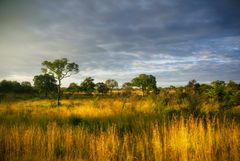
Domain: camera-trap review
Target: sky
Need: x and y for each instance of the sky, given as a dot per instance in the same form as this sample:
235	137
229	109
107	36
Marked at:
174	40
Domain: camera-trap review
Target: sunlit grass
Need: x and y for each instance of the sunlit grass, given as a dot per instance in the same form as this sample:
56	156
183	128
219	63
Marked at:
112	129
86	107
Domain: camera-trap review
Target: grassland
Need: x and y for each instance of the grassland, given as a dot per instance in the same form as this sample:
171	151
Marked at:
118	128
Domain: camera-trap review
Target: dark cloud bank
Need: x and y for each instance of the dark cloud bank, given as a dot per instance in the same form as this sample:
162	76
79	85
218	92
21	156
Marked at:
174	40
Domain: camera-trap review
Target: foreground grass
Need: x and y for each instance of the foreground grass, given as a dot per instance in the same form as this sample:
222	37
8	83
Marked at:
113	129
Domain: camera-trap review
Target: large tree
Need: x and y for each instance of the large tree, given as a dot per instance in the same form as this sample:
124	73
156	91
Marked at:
145	82
45	83
60	69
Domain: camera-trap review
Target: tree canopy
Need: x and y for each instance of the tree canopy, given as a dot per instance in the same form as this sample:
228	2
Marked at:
145	82
45	83
87	85
102	88
111	83
7	86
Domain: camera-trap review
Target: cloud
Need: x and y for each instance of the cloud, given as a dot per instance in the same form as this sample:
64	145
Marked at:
174	40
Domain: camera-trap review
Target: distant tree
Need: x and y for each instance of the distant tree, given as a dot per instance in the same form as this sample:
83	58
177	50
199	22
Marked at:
232	95
193	85
5	86
60	69
172	87
102	88
26	86
111	84
88	85
233	85
217	94
218	83
203	89
45	84
73	87
218	90
10	86
193	96
127	85
145	82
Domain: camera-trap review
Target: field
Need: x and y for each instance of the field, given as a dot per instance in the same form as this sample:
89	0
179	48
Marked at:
114	128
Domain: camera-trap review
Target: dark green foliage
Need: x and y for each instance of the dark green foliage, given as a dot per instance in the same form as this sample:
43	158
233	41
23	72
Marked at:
73	87
45	84
145	82
192	95
232	95
102	88
10	86
26	86
225	95
15	87
74	120
88	85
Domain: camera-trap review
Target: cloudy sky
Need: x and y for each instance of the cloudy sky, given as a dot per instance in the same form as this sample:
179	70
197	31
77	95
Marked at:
174	40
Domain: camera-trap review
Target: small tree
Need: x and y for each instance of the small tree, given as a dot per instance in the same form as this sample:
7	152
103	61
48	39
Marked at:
193	85
102	88
145	82
73	87
45	83
111	84
218	90
60	69
193	96
88	85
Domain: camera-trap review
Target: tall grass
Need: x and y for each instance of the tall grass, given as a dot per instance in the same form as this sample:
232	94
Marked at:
106	129
175	139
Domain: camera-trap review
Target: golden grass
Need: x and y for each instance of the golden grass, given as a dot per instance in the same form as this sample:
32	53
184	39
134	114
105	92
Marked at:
167	138
85	107
177	141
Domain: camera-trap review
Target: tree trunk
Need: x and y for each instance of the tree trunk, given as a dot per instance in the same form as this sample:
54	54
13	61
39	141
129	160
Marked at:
59	92
143	91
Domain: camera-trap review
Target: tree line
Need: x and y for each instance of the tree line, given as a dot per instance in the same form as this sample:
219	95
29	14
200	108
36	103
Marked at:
226	95
46	84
